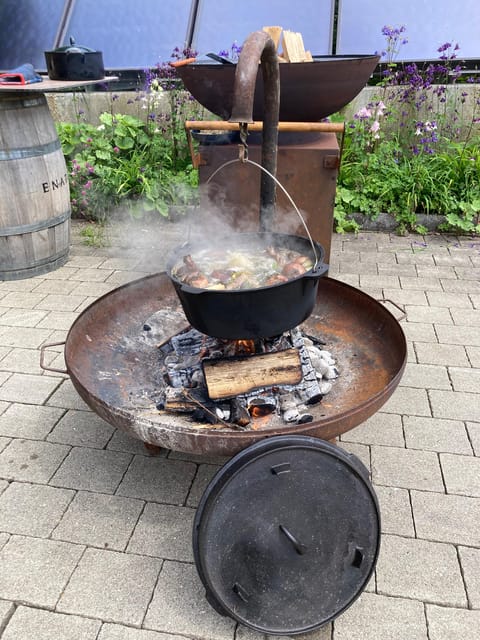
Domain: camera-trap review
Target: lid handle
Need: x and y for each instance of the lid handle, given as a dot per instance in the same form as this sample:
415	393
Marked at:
299	547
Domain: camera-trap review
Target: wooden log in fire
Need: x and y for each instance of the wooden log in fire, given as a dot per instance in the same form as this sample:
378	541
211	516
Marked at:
226	378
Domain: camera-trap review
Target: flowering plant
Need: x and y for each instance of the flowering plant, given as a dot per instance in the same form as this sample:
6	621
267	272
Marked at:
400	147
141	163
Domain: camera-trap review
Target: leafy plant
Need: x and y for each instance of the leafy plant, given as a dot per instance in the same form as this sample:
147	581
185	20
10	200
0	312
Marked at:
143	161
412	150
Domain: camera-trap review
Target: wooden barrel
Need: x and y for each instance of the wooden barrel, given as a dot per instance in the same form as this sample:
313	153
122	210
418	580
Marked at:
34	192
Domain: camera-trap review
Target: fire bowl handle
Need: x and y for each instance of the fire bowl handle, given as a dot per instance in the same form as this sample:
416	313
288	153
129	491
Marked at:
45	367
397	306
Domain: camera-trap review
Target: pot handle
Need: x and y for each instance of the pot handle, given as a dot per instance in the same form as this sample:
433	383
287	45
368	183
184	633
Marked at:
244	160
318	271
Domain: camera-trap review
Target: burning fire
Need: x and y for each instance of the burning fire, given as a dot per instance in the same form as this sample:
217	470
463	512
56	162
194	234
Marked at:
245	347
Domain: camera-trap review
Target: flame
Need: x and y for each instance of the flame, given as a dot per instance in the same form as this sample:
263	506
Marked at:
244	346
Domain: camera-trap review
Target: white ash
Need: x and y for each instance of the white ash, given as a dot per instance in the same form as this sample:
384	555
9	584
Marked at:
182	363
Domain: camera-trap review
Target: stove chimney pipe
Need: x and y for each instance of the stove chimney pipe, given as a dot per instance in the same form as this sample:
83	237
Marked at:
260	48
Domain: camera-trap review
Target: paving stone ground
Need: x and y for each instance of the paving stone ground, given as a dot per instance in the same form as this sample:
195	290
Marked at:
95	530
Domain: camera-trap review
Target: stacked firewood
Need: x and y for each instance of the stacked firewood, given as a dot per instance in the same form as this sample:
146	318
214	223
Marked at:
293	49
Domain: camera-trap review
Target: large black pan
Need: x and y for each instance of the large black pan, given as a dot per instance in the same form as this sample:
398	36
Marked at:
251	313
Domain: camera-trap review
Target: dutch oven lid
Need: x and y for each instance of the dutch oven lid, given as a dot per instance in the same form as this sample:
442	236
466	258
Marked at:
73	48
287	534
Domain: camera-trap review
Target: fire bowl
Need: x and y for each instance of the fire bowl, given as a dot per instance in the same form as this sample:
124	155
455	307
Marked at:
309	91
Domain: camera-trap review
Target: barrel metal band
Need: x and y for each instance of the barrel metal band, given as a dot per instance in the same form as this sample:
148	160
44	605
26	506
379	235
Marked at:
35	226
31	152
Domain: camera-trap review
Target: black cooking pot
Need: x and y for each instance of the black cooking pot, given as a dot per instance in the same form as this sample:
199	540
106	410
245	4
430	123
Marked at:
246	314
74	62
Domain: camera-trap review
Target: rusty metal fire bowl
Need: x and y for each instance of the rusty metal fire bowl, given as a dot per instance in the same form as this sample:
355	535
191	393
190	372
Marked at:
115	370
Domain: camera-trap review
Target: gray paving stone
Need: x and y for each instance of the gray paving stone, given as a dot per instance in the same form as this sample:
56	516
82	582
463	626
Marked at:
465	379
3	485
35	571
6	610
121	441
25	361
91	274
119	278
22	299
31	460
470	561
99	520
179	606
424	258
375	616
460	335
419	331
59	302
324	633
450	300
355	266
67	397
58	320
18	285
114	587
407	468
3	406
32	509
452	260
22	317
473	354
460	286
22	387
455	405
473	429
3	350
396	270
475	298
361	451
446	518
62	287
118	632
204	475
4	376
438	315
28	421
395	511
422	284
164	531
384	281
63	273
83	429
379	257
198	458
4	538
28	337
401	296
4	442
432	434
349	278
421	570
469	317
427	271
408	400
425	376
158	479
461	473
449	624
85	262
381	428
441	354
92	470
93	288
38	624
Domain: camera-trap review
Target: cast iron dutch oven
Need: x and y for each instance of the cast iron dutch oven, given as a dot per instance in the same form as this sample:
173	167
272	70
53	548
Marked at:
246	314
74	62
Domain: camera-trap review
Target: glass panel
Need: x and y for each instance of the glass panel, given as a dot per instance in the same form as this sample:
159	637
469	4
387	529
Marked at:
429	25
220	24
27	29
131	34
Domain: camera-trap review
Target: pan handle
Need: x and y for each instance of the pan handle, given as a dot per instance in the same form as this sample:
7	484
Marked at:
45	367
397	306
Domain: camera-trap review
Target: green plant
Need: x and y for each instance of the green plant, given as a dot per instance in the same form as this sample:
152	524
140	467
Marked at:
398	161
94	235
143	161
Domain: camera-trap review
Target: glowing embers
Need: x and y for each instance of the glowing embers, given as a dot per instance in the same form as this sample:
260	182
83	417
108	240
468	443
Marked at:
244	384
